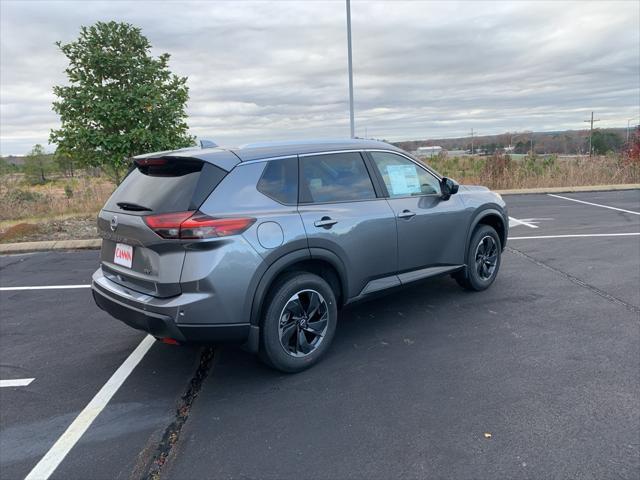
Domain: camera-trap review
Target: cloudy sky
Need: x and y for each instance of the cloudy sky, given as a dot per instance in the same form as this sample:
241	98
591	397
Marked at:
278	69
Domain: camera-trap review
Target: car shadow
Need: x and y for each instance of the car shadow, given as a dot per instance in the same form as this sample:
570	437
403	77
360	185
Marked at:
396	316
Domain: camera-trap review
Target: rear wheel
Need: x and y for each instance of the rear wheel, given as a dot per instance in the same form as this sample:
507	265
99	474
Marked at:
298	323
483	259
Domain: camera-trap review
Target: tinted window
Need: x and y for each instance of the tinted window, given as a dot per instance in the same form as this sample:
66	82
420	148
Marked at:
336	177
168	185
404	178
280	181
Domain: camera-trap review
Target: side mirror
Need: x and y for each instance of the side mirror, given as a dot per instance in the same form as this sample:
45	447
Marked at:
448	187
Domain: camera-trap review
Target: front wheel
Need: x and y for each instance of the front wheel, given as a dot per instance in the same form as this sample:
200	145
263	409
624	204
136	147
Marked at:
483	259
299	322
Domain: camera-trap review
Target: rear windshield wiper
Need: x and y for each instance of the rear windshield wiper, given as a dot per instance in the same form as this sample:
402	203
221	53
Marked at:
133	207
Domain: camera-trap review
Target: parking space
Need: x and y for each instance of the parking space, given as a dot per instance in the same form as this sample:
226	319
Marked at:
535	378
70	348
559	216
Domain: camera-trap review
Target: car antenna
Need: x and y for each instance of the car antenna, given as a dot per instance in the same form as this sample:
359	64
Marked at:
208	144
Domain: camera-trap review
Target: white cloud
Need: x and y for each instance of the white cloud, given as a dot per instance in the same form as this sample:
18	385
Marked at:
273	70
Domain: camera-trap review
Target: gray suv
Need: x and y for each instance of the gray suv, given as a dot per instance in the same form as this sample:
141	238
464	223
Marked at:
262	245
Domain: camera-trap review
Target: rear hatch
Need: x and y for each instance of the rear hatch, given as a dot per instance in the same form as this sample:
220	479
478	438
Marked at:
135	256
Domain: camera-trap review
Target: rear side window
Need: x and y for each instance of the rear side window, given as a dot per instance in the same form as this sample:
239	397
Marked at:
279	181
165	185
339	177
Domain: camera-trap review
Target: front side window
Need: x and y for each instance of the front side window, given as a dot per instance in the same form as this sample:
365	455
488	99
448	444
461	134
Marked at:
339	177
402	177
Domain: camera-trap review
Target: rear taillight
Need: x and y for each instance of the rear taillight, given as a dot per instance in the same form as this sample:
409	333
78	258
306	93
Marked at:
196	225
167	225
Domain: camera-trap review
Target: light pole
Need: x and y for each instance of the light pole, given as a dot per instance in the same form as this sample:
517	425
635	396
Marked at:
351	119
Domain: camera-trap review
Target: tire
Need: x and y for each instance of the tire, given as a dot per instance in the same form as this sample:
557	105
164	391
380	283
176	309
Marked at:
482	268
298	323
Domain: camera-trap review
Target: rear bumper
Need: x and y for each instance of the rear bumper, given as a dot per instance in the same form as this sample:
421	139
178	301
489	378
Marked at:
137	311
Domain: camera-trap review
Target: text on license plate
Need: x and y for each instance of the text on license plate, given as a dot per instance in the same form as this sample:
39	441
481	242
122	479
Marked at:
123	255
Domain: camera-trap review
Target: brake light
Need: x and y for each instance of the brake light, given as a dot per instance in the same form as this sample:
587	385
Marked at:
196	225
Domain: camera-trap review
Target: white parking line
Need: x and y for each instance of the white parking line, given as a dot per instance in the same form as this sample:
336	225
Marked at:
579	235
48	464
43	287
594	204
520	222
16	382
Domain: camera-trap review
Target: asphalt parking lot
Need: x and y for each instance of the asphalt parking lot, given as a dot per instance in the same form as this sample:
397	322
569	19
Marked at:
538	377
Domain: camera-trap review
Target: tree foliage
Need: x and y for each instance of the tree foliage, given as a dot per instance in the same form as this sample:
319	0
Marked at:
66	163
37	165
120	101
633	147
605	142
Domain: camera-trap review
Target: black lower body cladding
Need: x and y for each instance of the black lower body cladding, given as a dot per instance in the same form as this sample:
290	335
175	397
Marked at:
164	326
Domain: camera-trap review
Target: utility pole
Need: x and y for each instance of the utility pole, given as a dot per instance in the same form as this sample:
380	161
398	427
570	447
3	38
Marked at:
472	142
532	154
351	119
591	133
628	129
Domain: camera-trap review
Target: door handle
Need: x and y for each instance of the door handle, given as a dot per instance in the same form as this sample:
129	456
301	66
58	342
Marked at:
325	222
406	214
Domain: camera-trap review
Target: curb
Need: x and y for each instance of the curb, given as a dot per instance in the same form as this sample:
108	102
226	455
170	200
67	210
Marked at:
26	247
588	188
95	243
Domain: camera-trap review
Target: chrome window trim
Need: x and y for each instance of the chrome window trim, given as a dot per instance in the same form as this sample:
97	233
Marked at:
351	150
332	152
267	159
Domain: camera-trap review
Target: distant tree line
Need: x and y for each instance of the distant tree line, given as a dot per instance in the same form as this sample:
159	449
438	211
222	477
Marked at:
40	167
569	142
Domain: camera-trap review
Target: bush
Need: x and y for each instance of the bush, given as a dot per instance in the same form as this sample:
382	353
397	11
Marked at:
23	196
18	203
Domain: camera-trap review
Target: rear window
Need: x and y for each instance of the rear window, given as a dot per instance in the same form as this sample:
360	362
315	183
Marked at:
165	185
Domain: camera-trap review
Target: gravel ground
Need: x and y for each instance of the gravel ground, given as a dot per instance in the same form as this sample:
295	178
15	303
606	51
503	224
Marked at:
73	228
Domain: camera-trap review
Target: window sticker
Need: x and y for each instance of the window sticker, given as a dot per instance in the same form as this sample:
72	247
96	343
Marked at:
315	183
404	179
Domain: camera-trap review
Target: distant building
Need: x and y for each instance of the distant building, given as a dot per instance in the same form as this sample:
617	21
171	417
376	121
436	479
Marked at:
428	151
458	153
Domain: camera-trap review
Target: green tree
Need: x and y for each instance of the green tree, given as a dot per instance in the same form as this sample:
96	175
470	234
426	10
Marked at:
65	163
5	167
604	142
120	101
37	165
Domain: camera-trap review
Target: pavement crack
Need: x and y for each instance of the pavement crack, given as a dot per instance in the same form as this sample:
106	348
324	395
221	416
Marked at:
4	267
577	281
172	432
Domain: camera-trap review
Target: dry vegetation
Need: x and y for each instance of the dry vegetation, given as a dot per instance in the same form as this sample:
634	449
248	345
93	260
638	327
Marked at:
503	172
61	208
63	196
